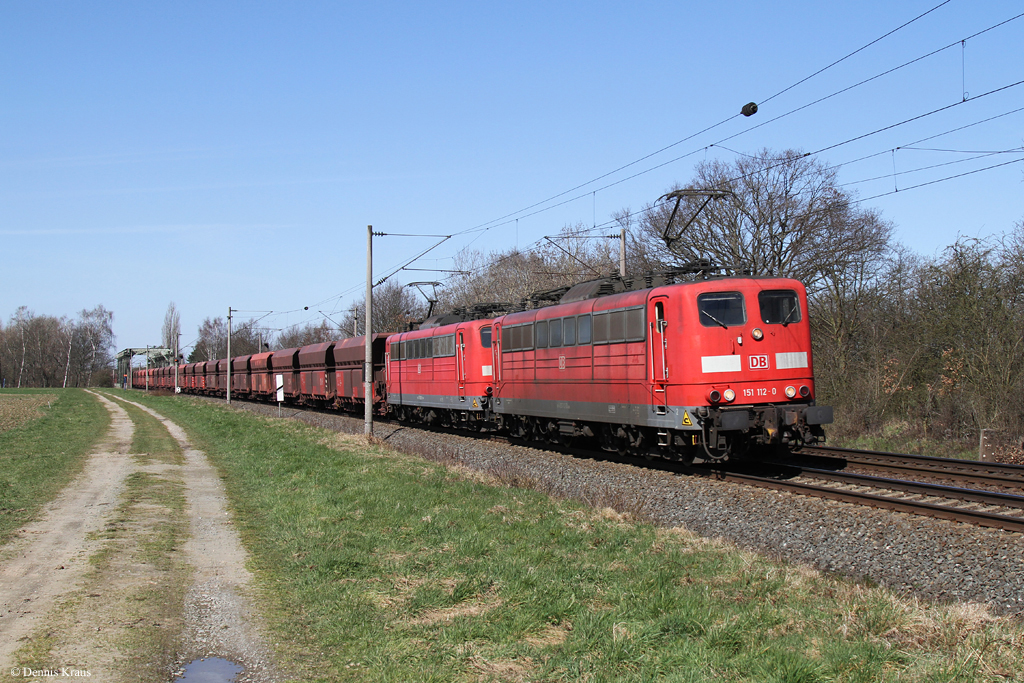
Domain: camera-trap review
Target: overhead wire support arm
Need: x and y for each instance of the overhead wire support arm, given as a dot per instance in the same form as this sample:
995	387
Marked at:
444	238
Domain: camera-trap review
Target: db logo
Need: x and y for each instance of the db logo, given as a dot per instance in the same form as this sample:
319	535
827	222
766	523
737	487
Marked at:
759	362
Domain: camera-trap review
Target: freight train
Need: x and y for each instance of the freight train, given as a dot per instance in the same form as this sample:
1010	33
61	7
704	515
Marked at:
708	367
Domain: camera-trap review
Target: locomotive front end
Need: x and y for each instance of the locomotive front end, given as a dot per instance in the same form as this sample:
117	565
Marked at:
751	366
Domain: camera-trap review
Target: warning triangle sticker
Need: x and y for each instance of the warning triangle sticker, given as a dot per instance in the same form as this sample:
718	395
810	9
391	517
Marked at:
686	419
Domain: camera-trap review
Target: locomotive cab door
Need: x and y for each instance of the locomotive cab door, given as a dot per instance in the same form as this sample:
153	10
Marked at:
496	356
658	349
460	365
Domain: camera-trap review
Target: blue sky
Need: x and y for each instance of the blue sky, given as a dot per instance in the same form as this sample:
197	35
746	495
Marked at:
222	154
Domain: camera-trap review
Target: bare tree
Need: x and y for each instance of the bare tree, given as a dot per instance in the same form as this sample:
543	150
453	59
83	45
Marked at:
48	351
171	328
309	333
212	342
574	255
394	307
95	334
783	214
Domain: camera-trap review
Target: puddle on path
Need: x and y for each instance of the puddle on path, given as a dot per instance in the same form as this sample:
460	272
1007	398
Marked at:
210	670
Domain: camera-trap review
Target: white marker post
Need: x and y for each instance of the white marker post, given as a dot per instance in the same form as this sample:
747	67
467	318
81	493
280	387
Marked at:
280	393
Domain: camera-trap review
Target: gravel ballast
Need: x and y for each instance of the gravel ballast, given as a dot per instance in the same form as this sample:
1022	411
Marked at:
928	558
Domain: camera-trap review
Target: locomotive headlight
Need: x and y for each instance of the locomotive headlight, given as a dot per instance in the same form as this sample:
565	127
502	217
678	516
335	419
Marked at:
729	395
790	391
805	391
714	396
757	333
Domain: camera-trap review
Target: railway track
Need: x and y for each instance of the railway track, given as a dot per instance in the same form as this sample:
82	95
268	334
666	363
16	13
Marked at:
966	472
983	508
995	509
1002	509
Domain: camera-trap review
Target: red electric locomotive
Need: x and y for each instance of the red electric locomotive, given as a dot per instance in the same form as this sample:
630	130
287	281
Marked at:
442	373
704	368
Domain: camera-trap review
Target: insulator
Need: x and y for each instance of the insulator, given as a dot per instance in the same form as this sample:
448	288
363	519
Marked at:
749	109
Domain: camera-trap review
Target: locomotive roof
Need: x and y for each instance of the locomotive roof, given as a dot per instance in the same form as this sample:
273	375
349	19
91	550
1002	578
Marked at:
633	297
693	274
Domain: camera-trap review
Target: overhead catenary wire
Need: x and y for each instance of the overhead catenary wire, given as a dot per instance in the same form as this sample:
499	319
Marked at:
606	224
730	118
743	132
982	155
858	50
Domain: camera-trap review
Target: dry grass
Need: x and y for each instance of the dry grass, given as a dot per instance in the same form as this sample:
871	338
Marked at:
17	409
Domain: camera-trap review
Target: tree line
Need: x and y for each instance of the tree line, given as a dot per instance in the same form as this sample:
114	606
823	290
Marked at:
46	351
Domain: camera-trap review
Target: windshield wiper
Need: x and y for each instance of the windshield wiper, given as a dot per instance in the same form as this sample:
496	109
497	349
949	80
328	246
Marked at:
785	322
715	319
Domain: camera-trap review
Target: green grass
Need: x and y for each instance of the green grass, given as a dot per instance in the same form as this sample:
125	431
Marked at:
379	566
41	456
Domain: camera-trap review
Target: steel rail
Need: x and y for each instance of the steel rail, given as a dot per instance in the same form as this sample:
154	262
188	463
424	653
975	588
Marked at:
991	473
921	488
977	517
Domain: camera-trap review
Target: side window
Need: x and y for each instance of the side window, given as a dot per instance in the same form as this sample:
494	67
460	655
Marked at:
617	326
635	324
721	309
601	328
555	333
518	338
583	331
444	346
485	337
569	332
542	334
779	306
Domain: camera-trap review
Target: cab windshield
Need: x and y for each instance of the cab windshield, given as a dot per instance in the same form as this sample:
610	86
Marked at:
779	307
721	309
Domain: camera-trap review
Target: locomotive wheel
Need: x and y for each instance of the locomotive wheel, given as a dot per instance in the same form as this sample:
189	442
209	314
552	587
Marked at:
536	429
516	427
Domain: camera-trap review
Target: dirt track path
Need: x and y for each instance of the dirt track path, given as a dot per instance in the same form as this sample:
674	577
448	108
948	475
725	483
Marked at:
50	556
83	586
220	620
